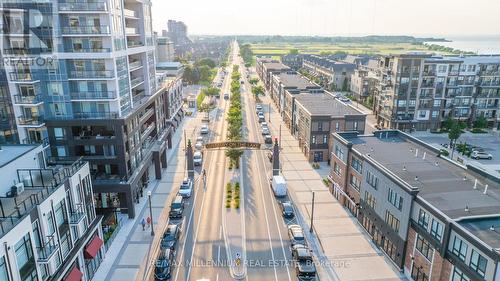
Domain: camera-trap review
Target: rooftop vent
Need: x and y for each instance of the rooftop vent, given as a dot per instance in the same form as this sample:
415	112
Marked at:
404	168
465	178
492	228
416	178
466	208
475	184
485	189
436	163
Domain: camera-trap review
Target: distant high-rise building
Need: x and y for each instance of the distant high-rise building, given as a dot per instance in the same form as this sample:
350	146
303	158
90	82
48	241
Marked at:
164	49
92	91
177	32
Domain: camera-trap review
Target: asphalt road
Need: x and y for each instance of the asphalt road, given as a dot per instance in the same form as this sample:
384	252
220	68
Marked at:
201	244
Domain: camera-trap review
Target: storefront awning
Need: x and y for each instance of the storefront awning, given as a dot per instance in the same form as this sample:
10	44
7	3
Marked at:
74	275
92	248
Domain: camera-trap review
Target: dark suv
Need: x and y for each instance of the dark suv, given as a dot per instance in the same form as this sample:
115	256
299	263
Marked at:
170	237
176	208
163	265
303	263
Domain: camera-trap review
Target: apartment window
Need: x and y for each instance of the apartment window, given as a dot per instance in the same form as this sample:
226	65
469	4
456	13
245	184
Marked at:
50	223
61	151
401	103
412	102
325	138
395	199
442	68
458	275
392	221
355	125
337	126
422	113
459	248
423	219
59	133
60	213
314	139
370	200
424	247
417	274
356	164
320	126
3	270
437	103
436	229
355	182
478	263
435	114
336	169
25	259
371	179
339	152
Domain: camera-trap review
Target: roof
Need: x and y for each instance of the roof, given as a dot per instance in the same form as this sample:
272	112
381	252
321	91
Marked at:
169	64
481	228
274	65
9	153
446	186
325	105
295	80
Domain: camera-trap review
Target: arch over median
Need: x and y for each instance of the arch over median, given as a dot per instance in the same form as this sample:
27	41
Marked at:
233	144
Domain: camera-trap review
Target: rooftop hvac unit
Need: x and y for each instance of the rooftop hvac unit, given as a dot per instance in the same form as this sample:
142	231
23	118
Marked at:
19	187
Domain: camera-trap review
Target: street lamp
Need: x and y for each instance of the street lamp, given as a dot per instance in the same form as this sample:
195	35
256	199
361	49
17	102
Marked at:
151	213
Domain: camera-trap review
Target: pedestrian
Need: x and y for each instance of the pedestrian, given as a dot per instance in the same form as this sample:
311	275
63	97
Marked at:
149	221
143	222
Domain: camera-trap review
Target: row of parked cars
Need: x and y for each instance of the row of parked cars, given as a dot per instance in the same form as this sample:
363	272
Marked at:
263	125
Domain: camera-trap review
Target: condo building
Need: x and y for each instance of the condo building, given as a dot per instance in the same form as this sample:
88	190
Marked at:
334	74
96	95
48	225
434	218
266	67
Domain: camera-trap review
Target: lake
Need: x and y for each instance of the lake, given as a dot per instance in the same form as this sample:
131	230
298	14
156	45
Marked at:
480	45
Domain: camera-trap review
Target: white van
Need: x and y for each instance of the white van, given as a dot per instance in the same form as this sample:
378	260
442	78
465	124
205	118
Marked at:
278	184
197	158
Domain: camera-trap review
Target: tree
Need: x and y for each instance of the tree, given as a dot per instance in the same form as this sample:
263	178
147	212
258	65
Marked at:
205	73
447	124
211	91
206	61
481	123
257	90
344	85
293	52
254	81
234	155
453	134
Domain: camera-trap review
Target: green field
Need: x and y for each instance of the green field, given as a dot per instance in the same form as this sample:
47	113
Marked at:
278	49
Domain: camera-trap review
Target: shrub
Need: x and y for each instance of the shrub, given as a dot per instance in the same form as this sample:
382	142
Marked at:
444	152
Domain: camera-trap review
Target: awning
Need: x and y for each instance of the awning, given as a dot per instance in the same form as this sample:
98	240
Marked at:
74	275
92	248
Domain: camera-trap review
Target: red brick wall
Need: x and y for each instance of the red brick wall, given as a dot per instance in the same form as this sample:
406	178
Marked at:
410	243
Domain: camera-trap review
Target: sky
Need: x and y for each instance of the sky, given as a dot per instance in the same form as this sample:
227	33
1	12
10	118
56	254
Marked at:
331	17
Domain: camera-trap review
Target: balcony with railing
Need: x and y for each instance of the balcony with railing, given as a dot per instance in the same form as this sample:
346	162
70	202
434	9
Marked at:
490	72
91	74
34	120
134	43
135	65
21	77
47	250
96	115
147	131
87	50
27	100
97	95
134	82
85	30
90	6
129	13
131	31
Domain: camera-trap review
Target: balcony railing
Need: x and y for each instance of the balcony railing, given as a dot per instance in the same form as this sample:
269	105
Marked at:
18	99
89	6
429	73
98	95
18	76
136	81
91	30
135	64
129	13
489	73
134	43
46	251
131	30
96	115
30	120
91	74
88	50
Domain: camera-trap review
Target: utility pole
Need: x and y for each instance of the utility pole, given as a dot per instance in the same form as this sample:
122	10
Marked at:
280	137
185	145
270	113
312	214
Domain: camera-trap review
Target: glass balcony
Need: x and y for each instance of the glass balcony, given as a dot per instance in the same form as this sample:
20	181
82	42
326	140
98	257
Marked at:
91	74
90	30
136	82
135	64
18	99
96	115
98	95
21	77
47	250
134	43
131	31
83	6
129	13
88	50
30	120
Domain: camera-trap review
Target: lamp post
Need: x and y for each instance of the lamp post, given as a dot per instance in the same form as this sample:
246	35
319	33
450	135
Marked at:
151	213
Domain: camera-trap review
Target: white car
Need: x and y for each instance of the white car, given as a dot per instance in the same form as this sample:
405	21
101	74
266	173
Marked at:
197	158
265	131
263	125
200	138
186	188
258	107
204	129
481	155
198	145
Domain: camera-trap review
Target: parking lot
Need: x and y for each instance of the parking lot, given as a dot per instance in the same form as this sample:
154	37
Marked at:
489	143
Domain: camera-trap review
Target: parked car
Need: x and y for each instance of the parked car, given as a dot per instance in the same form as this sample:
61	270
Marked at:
258	107
226	96
197	158
481	155
269	155
303	263
262	118
265	131
176	208
263	124
200	138
170	237
268	139
186	188
204	129
296	235
198	145
163	265
287	210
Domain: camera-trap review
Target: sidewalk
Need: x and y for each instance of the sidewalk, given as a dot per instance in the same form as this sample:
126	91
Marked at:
345	244
131	246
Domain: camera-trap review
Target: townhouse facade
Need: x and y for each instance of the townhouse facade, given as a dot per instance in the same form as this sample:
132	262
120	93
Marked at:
292	61
266	67
435	219
315	117
93	91
420	91
291	82
49	229
364	82
333	74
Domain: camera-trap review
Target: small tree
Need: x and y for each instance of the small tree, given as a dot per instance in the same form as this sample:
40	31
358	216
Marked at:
453	134
293	52
234	155
254	81
447	124
481	123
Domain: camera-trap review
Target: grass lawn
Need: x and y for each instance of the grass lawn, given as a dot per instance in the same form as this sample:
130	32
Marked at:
278	49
